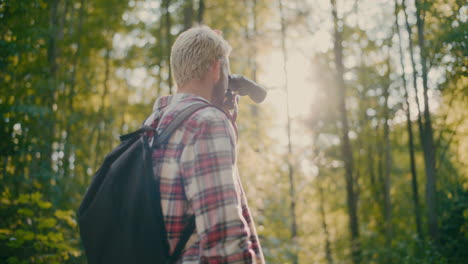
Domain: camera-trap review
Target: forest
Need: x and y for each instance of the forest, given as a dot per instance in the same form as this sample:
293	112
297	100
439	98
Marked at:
358	155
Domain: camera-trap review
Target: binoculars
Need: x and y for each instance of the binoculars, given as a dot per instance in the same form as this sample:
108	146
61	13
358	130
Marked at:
242	86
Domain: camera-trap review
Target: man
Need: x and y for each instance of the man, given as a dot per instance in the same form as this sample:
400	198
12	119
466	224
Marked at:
198	166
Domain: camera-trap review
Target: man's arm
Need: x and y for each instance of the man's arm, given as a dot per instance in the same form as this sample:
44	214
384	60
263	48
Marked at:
211	186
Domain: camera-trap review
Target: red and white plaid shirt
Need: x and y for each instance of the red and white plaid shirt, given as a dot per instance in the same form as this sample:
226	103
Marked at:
199	177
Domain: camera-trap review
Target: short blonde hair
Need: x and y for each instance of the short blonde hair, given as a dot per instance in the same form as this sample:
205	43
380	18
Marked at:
194	51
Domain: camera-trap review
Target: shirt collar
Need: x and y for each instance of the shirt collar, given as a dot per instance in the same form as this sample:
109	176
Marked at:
164	101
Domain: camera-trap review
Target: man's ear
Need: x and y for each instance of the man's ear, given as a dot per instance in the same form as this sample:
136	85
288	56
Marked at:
215	70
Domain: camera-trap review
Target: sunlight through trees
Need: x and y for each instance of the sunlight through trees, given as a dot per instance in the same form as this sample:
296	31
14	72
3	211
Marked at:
358	155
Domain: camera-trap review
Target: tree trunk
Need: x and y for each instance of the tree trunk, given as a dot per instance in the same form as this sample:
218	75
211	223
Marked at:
328	252
251	34
380	180
45	171
53	35
372	176
188	14
346	144
415	72
201	11
292	192
167	16
71	95
409	126
254	36
49	99
102	111
160	57
431	189
387	180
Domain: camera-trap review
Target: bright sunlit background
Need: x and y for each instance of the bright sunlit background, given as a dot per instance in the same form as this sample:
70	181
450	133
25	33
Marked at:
76	74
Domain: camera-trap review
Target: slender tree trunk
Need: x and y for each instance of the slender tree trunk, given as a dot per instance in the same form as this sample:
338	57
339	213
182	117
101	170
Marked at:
5	164
66	101
409	126
415	71
20	165
387	174
431	188
346	144
102	110
71	95
201	11
254	39
188	14
160	51
415	76
167	16
380	183
50	96
53	35
63	19
372	176
328	252
251	38
292	192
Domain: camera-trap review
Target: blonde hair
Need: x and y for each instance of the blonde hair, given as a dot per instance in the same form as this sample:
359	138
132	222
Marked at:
194	51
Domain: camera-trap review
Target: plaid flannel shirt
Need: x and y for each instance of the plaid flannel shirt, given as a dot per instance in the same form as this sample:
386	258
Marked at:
198	176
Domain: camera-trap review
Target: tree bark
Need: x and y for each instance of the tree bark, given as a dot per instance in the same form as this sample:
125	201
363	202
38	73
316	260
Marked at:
160	57
346	147
102	111
292	191
168	25
387	174
254	36
415	71
431	188
372	176
71	95
50	97
328	252
251	34
409	127
201	11
188	14
53	35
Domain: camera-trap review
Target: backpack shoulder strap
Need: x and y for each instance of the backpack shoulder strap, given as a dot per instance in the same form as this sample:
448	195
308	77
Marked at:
136	132
162	138
184	238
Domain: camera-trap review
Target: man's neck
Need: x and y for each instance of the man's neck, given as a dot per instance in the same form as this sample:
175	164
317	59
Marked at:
196	87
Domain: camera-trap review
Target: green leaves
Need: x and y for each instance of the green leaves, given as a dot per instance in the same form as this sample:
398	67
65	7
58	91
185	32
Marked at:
66	216
34	232
25	212
34	199
46	223
70	116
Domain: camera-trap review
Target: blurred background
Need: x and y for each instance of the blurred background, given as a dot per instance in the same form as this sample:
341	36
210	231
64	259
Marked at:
358	155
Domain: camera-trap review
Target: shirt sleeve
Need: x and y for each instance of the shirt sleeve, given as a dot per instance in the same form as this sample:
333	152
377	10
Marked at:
212	189
253	233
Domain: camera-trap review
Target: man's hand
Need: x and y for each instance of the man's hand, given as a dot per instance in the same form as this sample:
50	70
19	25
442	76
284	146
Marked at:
231	104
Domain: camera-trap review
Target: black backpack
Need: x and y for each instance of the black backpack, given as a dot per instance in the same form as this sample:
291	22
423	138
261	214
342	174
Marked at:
120	217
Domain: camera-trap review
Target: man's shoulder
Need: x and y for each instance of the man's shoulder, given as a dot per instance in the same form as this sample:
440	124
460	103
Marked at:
206	114
209	114
211	121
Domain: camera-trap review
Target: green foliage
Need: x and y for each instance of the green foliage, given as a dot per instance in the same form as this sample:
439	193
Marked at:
34	232
68	88
454	224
